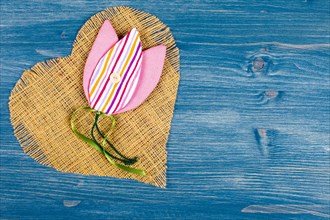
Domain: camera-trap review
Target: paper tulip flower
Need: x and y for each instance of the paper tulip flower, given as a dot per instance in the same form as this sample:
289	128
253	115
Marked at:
118	77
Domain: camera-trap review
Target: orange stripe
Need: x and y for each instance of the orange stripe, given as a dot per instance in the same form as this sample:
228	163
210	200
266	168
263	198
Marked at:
102	73
121	73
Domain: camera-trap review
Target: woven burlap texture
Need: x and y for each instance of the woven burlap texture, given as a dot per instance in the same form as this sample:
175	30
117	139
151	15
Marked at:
44	98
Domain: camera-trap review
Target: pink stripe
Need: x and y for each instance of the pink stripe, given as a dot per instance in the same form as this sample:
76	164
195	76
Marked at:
108	78
98	98
134	83
123	79
107	70
137	63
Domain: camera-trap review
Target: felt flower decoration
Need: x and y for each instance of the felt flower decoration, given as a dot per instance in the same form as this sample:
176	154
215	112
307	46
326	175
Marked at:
118	77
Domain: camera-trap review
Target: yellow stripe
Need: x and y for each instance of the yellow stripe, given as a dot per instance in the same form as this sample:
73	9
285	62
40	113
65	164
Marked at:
113	89
102	73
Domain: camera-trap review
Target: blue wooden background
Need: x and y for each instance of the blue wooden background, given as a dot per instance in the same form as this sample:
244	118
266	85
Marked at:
250	134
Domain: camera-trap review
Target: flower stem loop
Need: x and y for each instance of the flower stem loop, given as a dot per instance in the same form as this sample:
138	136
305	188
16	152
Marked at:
101	147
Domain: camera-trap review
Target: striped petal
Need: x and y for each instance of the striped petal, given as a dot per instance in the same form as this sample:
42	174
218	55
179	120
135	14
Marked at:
116	75
151	70
105	39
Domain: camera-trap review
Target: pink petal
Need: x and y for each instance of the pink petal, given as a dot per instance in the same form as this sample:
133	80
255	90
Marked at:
105	39
152	66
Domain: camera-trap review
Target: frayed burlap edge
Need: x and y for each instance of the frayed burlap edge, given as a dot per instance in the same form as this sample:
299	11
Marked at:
44	98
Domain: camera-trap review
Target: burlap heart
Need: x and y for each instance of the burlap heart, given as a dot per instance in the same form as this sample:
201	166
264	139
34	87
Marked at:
45	96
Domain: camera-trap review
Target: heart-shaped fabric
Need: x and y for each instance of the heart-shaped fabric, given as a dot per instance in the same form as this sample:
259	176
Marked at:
43	99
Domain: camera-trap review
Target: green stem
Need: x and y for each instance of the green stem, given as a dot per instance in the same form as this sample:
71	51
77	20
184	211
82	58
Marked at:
98	147
97	115
127	161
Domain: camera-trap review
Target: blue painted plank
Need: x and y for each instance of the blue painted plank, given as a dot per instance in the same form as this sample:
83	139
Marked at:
250	135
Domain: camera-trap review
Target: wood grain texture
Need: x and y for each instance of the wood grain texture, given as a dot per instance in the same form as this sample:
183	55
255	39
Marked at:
250	133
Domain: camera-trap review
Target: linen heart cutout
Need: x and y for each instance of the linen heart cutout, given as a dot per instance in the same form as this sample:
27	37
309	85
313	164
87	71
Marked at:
44	98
